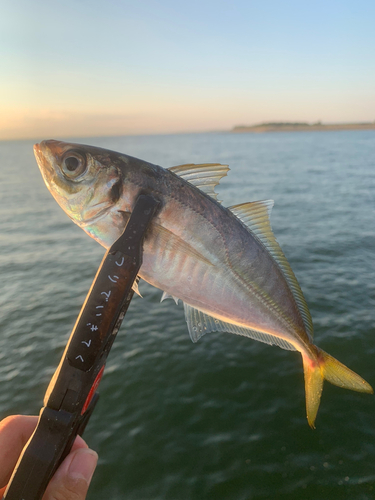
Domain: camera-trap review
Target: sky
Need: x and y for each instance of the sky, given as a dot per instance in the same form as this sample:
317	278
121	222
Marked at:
115	67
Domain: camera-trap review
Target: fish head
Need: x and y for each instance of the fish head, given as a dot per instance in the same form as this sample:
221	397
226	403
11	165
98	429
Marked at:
87	183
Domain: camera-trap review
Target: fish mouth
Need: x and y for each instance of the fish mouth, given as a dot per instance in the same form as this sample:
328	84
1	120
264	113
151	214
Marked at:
40	158
37	151
45	157
50	149
58	147
45	167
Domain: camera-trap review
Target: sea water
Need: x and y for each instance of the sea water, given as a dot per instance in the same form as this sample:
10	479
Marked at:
223	418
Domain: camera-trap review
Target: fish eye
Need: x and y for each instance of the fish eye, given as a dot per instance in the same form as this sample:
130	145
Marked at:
73	164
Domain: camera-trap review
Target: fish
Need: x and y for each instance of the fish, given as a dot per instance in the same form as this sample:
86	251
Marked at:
223	263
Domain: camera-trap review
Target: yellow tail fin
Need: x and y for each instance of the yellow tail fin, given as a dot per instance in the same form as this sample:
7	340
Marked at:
327	367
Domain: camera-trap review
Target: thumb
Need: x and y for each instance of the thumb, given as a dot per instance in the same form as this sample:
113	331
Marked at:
72	479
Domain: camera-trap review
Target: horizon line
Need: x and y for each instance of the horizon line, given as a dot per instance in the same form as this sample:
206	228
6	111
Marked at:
268	124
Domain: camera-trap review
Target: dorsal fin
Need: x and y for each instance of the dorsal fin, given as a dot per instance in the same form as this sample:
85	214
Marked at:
200	323
205	176
255	215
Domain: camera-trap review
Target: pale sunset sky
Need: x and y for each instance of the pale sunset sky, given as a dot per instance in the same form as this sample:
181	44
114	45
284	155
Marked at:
113	67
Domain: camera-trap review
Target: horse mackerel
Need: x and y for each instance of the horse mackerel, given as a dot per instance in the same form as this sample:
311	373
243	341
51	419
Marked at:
223	263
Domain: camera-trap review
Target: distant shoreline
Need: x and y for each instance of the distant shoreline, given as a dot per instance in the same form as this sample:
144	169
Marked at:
300	127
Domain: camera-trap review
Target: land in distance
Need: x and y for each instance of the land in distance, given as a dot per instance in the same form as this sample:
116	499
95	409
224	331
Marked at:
301	127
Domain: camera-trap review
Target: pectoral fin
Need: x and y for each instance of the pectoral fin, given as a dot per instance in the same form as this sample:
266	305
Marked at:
170	242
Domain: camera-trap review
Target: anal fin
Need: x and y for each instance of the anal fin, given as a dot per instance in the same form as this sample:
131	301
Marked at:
199	323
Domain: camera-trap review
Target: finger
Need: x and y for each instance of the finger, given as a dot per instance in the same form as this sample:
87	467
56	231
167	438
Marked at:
79	443
72	479
15	431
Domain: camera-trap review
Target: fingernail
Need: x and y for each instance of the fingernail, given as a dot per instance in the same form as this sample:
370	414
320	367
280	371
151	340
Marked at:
83	464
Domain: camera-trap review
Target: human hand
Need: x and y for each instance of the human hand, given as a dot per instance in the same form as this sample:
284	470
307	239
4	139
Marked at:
71	480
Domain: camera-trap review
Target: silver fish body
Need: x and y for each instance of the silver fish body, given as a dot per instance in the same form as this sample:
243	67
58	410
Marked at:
224	264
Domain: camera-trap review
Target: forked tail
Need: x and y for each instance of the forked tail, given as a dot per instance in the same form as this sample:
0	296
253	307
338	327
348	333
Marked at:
327	367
